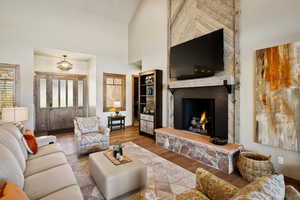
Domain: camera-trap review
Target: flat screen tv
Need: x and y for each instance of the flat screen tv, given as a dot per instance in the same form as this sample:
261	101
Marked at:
200	57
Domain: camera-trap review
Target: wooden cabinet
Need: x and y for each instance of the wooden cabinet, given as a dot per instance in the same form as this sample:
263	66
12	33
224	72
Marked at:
150	101
147	123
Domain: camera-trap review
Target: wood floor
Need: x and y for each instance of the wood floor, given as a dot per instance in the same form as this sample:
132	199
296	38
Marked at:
131	134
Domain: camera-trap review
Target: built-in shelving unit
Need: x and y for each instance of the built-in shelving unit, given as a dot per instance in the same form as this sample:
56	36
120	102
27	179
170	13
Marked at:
150	101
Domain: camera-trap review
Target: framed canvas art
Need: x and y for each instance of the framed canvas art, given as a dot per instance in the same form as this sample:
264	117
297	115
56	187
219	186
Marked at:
278	96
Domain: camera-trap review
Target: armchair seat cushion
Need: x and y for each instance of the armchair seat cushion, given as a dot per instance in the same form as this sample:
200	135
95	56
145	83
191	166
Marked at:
91	138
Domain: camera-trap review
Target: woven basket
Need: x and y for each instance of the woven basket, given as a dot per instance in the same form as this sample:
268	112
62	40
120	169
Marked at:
253	165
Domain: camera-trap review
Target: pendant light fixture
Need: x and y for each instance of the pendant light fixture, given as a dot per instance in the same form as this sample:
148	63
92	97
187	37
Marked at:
64	65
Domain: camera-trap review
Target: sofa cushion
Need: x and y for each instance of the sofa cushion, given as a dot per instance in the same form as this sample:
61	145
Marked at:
9	168
12	144
192	194
267	187
70	193
49	181
45	150
12	129
43	163
213	187
88	124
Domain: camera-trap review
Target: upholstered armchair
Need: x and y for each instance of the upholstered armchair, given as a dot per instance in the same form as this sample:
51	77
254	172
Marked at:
89	136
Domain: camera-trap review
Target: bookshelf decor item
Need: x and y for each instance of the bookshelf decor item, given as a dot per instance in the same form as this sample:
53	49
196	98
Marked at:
150	101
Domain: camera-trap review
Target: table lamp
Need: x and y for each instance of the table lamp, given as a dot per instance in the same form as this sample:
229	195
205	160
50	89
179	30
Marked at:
117	105
15	115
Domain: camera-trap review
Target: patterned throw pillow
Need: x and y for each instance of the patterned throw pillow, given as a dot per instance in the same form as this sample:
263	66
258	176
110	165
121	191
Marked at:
192	194
269	187
213	187
88	124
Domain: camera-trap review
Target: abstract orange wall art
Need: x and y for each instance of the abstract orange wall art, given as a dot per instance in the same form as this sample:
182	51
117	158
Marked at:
278	96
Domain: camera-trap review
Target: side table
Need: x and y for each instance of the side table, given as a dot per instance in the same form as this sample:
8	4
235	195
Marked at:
119	119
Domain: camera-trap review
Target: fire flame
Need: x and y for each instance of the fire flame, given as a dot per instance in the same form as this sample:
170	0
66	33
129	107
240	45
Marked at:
203	120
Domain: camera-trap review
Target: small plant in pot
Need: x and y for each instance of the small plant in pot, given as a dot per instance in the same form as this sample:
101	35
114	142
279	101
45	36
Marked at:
118	152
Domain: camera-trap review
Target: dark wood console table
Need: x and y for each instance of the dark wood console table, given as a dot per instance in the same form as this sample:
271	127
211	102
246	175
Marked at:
120	122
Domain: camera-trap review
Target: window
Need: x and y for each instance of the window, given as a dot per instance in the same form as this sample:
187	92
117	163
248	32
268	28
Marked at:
80	92
114	92
43	93
8	86
55	94
70	93
62	93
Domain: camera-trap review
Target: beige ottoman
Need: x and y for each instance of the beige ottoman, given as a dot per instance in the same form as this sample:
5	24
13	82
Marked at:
115	180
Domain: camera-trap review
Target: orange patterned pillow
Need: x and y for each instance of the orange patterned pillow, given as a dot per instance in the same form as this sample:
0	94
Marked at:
11	191
31	142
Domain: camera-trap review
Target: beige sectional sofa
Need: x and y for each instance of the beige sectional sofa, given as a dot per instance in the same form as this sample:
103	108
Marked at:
43	176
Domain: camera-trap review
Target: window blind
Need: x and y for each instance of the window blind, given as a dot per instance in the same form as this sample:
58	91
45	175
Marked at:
7	88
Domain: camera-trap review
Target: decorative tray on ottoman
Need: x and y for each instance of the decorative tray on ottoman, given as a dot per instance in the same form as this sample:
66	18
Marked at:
110	155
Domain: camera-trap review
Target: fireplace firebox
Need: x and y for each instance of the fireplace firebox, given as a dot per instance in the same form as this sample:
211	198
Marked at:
202	110
198	115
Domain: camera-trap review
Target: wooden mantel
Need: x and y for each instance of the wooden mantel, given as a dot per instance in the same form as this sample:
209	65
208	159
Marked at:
203	82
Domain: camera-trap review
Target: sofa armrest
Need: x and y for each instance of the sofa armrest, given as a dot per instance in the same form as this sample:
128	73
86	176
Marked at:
291	193
45	140
213	187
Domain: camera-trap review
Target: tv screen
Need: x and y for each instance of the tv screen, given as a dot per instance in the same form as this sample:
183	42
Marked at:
200	57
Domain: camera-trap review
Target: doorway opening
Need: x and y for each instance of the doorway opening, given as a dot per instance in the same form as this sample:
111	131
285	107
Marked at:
135	100
60	95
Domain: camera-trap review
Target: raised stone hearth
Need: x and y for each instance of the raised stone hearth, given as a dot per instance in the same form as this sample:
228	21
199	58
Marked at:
199	148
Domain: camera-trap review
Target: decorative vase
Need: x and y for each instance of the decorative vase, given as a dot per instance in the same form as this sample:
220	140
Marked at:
253	165
150	91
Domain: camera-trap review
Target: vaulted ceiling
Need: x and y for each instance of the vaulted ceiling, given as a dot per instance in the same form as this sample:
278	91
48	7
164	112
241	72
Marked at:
121	10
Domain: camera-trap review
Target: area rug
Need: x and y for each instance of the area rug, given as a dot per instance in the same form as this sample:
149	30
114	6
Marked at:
164	178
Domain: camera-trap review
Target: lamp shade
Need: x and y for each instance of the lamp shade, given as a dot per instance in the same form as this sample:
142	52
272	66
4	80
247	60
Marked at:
17	114
117	104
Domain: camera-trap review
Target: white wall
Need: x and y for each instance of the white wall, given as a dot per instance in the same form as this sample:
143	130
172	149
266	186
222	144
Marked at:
66	25
263	24
148	40
92	85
